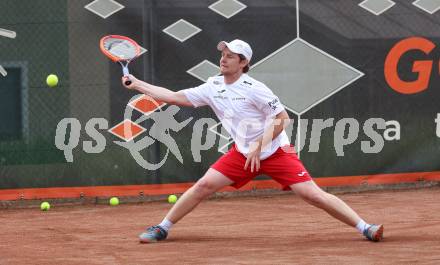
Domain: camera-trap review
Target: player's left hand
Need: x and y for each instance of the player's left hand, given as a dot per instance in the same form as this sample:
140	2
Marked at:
253	157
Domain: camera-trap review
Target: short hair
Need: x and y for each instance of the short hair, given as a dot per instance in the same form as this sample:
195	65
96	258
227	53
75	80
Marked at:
246	68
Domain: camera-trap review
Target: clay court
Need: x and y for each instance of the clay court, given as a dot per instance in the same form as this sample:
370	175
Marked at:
276	229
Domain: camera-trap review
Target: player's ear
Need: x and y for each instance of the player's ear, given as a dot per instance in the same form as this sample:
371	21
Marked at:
244	62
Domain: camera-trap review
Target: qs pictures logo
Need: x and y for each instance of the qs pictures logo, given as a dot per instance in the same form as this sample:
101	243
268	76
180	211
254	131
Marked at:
422	68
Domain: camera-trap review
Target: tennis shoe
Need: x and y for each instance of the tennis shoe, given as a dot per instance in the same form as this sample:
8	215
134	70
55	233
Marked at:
374	233
153	234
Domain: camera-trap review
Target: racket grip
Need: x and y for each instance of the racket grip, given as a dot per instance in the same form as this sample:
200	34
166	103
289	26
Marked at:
126	73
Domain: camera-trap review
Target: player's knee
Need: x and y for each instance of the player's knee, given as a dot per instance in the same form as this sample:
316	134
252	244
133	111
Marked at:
203	188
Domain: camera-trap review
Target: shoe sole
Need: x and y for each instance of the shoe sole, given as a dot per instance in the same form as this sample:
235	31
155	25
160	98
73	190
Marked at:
144	241
147	240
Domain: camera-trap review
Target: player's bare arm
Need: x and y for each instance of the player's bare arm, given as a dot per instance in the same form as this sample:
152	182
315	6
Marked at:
278	124
157	92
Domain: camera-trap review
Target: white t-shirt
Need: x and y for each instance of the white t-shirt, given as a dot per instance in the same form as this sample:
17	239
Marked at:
245	108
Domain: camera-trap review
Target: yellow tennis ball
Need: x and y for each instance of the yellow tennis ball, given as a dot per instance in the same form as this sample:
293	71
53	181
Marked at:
114	201
52	80
45	206
172	198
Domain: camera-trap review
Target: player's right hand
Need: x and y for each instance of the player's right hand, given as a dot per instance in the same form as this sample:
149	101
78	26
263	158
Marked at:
131	78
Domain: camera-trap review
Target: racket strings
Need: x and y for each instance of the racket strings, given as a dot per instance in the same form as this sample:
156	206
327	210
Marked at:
123	49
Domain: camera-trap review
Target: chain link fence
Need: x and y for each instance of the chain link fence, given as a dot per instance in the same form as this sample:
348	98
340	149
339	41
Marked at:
62	36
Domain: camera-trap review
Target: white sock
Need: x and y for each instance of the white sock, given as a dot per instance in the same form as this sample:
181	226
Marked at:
361	226
166	224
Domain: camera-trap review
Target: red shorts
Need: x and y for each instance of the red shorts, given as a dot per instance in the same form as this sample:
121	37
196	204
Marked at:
284	167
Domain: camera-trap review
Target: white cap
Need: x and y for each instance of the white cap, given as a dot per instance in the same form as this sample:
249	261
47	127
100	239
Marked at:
237	46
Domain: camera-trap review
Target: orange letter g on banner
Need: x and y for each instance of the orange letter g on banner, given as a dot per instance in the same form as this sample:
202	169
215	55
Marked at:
423	68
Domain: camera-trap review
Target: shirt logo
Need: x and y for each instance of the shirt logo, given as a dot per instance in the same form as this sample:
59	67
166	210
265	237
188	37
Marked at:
216	82
247	83
221	91
273	104
221	97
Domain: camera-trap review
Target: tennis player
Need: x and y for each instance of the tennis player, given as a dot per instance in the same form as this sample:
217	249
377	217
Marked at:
255	119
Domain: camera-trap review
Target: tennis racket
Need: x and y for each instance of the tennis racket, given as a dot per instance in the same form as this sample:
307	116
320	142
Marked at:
120	49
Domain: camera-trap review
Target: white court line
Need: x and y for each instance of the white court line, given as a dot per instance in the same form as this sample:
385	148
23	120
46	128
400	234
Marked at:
8	33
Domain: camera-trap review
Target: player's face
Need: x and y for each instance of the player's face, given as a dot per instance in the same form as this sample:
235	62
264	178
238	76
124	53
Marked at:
230	63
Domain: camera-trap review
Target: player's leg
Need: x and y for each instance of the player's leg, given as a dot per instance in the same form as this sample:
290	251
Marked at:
211	182
231	165
337	208
311	193
285	167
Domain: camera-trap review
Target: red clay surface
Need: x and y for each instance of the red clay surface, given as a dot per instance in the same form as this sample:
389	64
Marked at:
278	229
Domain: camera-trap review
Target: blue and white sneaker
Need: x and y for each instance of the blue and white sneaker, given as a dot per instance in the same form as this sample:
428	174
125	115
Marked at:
374	233
153	234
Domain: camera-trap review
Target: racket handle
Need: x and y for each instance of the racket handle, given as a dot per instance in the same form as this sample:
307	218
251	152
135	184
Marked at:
126	73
